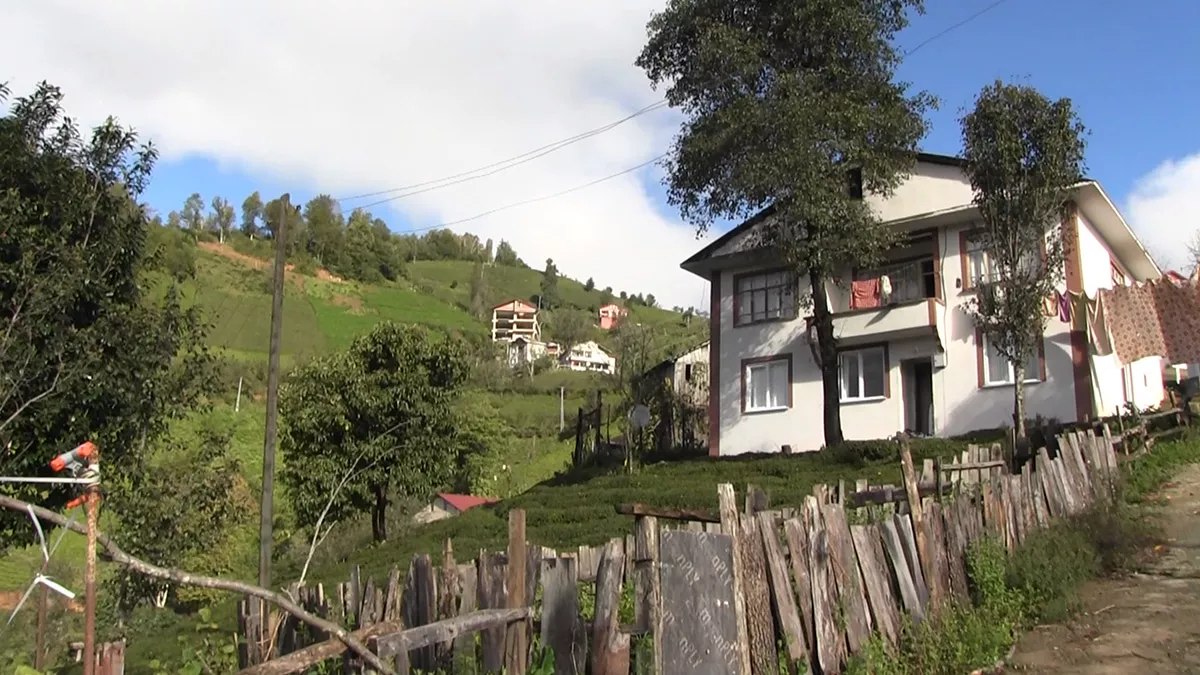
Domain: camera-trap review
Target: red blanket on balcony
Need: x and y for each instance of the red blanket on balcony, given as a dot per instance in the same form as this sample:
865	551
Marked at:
864	294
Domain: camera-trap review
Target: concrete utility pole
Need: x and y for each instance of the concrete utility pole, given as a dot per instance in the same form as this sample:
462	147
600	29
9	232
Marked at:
267	508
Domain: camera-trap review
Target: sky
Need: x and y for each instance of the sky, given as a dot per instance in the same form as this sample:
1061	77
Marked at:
363	96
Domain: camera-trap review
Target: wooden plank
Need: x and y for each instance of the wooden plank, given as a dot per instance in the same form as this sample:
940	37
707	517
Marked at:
699	632
783	599
419	606
924	555
756	500
1036	493
610	647
302	660
492	596
760	625
410	639
516	645
908	546
869	553
646	600
1050	489
1070	499
830	645
464	645
797	540
853	600
684	514
729	527
901	571
562	628
956	545
935	541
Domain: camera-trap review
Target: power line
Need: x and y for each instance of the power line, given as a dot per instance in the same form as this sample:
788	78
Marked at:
543	198
955	27
505	164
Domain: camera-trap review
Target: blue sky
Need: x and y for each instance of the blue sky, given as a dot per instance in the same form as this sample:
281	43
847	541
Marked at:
366	96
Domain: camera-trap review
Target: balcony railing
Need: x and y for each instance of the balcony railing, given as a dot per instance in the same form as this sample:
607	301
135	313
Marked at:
910	281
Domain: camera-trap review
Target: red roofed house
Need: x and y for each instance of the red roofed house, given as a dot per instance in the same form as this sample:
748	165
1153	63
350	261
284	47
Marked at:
446	505
610	315
513	319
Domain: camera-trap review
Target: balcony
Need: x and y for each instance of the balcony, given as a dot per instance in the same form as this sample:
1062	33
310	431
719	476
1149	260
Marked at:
911	310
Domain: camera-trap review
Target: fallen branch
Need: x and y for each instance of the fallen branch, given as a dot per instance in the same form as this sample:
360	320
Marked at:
115	554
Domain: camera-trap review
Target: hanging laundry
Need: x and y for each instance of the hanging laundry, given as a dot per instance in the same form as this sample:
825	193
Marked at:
1050	304
1064	308
1179	314
1133	322
1079	310
1098	327
864	294
885	288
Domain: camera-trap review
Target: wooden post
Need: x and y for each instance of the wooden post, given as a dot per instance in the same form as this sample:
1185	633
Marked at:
610	647
600	419
730	526
579	439
918	522
89	617
266	504
39	654
517	649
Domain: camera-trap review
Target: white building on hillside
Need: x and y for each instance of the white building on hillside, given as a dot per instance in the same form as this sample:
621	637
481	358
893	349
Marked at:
590	357
910	359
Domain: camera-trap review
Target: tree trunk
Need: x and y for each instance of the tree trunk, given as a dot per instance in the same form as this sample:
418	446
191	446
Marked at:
379	514
827	349
1019	438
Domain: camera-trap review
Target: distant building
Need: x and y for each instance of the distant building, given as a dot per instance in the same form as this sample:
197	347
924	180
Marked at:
513	319
590	357
522	351
446	505
610	315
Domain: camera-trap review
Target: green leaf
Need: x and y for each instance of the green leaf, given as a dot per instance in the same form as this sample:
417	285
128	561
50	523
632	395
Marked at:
205	614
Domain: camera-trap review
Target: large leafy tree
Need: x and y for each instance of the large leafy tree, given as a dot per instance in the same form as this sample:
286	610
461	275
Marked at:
83	354
325	228
252	213
549	297
222	217
782	102
1024	155
382	411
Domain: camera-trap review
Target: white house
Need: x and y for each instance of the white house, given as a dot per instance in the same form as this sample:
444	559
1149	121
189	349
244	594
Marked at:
915	361
590	357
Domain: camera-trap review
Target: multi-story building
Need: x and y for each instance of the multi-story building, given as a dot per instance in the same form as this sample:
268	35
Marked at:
910	357
513	319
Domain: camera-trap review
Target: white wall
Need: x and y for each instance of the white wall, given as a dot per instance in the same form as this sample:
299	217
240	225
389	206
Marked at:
1141	381
930	188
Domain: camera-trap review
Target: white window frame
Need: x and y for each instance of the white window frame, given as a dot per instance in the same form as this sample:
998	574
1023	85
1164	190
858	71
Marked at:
783	399
779	283
979	264
1032	375
858	355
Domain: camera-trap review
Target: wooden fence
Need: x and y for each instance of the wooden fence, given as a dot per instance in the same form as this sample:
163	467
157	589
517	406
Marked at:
713	592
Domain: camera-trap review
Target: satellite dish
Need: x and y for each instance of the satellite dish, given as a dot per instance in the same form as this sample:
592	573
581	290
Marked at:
639	416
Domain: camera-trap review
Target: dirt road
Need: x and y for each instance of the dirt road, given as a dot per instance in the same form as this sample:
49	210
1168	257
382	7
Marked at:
1149	623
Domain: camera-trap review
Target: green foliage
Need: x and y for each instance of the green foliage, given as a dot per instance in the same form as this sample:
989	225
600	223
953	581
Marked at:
505	255
85	357
1024	154
548	296
180	512
207	651
1143	476
380	414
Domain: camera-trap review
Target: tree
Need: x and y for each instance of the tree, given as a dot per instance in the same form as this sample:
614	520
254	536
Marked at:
1024	153
193	213
785	102
488	255
549	295
650	301
84	355
571	327
174	220
325	229
252	211
479	290
222	217
385	405
505	255
589	285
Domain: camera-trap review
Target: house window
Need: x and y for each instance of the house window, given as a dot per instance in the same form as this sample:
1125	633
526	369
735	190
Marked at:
1118	277
687	372
978	266
770	296
767	385
998	371
863	374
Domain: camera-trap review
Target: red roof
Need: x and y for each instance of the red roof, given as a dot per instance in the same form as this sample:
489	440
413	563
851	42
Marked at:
466	502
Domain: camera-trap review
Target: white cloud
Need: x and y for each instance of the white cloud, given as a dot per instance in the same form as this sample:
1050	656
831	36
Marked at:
366	95
1164	210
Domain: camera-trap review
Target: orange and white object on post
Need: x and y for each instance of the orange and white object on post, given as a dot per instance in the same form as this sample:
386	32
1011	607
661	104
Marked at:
77	459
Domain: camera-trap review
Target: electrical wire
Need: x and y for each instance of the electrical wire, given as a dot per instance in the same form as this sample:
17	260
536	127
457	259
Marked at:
954	27
534	200
502	165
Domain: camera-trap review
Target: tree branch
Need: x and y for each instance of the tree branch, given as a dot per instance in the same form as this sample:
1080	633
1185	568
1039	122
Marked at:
114	553
49	390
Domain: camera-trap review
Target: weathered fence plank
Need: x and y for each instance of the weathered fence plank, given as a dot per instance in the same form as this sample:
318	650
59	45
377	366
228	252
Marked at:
877	580
610	647
782	596
699	632
729	527
760	625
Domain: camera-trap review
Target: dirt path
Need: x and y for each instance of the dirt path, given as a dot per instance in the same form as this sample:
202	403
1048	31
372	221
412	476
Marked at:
1149	623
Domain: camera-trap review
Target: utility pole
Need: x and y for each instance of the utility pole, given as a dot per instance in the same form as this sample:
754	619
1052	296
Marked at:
561	411
267	508
92	504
